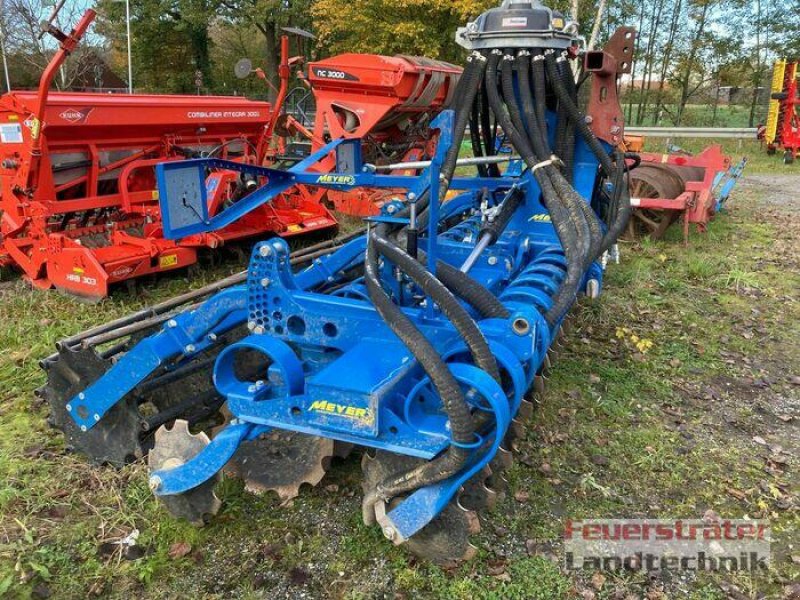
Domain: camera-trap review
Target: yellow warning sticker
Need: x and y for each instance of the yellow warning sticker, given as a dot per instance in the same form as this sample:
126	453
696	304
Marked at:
294	228
169	260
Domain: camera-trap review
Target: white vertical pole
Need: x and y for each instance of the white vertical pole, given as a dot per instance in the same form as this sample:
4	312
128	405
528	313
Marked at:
130	61
3	48
5	62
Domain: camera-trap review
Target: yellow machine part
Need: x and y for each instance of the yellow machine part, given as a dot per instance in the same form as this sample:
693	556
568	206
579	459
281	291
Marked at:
778	72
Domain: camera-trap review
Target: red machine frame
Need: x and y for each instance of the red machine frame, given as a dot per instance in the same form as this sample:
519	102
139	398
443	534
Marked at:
695	204
788	135
386	100
94	220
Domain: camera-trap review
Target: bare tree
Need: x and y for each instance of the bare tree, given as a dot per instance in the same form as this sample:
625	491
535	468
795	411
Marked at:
689	79
667	53
598	19
31	51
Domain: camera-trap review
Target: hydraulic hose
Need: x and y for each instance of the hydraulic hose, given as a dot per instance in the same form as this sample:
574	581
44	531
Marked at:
568	151
471	80
561	183
464	324
476	139
470	291
488	132
622	197
462	425
565	229
564	191
465	96
507	210
574	113
620	209
635	157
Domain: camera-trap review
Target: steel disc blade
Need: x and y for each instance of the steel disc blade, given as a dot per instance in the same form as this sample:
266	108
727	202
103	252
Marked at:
173	447
342	449
281	461
115	439
477	493
526	408
445	541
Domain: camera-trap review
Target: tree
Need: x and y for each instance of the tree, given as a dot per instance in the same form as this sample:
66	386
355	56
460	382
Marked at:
232	42
268	17
28	53
420	27
170	39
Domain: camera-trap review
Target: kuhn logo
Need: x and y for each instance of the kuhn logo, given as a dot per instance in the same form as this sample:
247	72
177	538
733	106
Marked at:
76	115
121	272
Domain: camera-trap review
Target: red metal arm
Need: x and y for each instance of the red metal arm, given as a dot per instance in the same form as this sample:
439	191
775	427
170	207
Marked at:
284	72
67	45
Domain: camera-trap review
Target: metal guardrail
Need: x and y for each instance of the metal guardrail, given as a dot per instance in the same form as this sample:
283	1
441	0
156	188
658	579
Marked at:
741	133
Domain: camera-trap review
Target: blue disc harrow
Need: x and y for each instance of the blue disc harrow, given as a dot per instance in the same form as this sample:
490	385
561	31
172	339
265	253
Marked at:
420	341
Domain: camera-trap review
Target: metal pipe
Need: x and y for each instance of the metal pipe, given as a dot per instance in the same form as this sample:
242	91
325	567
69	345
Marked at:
3	49
154	311
173	376
157	420
482	244
115	334
128	33
155	315
424	164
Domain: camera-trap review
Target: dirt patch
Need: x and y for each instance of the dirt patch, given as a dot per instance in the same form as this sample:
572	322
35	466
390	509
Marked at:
775	190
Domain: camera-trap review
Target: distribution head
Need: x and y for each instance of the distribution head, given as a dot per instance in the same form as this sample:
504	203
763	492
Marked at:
519	24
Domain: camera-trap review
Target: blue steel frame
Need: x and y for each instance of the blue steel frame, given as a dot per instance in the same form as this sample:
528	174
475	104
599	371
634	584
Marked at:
336	369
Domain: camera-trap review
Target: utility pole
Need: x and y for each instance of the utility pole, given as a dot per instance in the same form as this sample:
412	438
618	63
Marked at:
130	61
3	47
128	30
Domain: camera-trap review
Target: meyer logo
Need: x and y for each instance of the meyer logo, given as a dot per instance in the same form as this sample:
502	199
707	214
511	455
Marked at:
76	115
340	410
542	218
337	179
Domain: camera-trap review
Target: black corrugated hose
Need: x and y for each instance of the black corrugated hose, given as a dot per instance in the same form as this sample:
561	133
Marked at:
488	131
569	198
462	426
476	139
620	209
457	314
565	228
568	156
464	97
560	182
461	422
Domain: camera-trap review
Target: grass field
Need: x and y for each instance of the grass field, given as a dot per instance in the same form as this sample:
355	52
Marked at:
705	419
702	115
